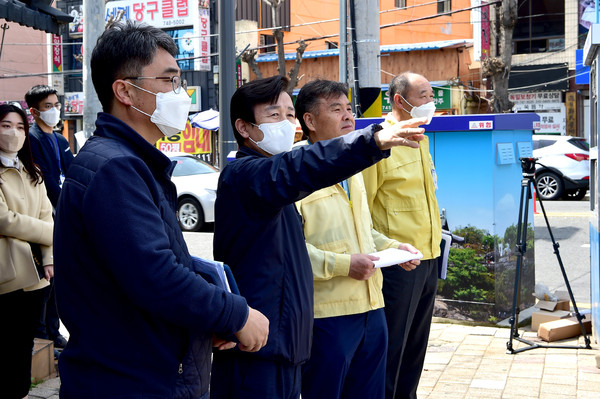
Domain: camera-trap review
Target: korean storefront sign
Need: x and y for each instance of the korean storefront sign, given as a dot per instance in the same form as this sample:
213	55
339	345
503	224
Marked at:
536	101
551	122
184	20
441	98
73	103
57	67
192	141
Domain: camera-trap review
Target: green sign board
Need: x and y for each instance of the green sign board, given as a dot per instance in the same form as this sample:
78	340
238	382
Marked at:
441	97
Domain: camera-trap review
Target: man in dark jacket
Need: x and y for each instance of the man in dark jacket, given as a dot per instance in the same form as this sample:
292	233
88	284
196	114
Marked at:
122	265
258	231
51	152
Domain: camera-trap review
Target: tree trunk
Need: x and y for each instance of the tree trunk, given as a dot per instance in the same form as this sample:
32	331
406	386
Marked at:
249	56
293	74
498	67
278	33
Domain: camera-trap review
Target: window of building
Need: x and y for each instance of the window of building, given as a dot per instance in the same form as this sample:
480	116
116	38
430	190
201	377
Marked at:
444	6
269	41
331	45
399	3
540	27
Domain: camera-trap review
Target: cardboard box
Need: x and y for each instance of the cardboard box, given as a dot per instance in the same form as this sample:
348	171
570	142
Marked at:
42	362
544	316
563	329
563	302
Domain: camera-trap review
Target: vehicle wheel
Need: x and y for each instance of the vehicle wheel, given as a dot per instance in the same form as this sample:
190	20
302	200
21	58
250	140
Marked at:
575	195
549	185
190	215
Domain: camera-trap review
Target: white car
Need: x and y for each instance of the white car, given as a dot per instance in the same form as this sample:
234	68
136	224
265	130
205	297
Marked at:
196	183
562	168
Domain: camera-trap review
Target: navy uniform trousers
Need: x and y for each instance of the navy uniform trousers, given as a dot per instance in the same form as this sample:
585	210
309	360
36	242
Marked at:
237	375
409	300
348	357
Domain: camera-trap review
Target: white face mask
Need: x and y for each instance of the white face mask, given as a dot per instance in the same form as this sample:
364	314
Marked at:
50	117
11	141
171	113
278	136
422	111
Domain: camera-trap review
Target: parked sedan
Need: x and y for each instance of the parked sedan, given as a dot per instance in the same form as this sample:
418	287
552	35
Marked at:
196	183
563	168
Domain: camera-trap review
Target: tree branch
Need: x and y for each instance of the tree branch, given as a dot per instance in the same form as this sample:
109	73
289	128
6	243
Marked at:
293	74
248	57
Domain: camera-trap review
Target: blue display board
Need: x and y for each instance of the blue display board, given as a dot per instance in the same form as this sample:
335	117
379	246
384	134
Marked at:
479	185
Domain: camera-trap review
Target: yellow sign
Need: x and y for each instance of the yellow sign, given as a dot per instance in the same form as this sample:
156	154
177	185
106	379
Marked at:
192	140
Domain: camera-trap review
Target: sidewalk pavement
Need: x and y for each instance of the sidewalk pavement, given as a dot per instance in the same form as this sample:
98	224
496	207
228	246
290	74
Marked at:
469	361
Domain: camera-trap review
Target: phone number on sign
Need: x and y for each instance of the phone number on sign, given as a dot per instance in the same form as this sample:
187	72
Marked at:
174	22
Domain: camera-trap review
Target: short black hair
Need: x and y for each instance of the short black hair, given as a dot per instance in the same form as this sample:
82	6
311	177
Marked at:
122	50
37	93
399	85
260	91
311	93
24	154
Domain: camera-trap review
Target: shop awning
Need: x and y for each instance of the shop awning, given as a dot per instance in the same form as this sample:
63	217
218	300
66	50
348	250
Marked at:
539	77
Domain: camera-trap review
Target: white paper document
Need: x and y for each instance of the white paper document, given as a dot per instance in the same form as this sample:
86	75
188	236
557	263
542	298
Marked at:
394	256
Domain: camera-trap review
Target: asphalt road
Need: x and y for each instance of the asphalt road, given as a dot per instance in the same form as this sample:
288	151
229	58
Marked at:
569	222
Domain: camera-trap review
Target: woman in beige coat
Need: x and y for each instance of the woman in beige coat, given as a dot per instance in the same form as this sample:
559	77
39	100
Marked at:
25	233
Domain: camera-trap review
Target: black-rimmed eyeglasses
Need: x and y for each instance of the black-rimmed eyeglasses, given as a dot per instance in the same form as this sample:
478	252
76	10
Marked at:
176	82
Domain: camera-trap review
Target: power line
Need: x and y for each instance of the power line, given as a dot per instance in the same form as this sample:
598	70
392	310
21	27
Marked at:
439	15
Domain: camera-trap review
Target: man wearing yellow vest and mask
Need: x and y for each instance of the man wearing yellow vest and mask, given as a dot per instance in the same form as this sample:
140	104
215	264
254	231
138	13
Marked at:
348	355
401	195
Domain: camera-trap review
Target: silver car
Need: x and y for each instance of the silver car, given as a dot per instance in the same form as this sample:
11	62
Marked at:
196	183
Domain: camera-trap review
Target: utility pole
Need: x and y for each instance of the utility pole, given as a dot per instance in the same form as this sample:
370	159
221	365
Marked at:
227	141
343	50
93	26
366	71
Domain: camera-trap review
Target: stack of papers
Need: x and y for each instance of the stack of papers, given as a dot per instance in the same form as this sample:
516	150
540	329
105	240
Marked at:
394	256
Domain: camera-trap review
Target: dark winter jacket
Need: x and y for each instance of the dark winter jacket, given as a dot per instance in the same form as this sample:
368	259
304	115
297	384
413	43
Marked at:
140	320
52	161
259	234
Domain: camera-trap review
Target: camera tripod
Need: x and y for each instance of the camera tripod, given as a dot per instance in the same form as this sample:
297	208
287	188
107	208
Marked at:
528	166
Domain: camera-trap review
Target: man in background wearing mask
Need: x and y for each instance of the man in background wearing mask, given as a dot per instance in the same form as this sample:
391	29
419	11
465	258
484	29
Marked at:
350	332
121	261
259	234
401	195
51	152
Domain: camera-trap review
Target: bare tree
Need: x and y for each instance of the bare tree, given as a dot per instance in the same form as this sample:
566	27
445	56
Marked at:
249	55
498	67
248	58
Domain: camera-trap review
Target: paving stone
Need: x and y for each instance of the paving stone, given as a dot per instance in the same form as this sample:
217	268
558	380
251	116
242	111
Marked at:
584	375
563	360
587	394
555	371
530	359
439	358
558	389
589	386
450	390
557	379
526	371
475	393
53	383
43	393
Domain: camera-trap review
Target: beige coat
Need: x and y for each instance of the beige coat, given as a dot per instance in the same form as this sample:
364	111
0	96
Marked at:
25	216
